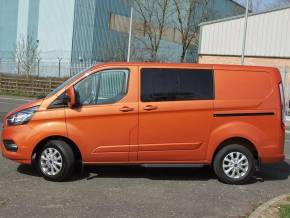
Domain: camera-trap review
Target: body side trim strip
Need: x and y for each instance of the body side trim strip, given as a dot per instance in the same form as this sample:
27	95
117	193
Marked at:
244	114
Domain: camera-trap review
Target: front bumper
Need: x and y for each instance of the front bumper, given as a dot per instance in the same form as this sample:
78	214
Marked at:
21	136
15	156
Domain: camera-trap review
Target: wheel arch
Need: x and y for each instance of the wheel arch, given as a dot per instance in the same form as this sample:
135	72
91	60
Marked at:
235	132
71	143
240	141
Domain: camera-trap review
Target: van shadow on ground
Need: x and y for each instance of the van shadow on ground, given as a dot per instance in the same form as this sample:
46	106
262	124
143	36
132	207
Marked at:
266	173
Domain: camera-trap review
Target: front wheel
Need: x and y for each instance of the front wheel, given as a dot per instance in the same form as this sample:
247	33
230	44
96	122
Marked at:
56	161
234	164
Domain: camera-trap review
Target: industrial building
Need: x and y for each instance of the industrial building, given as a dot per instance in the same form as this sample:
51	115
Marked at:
267	41
78	31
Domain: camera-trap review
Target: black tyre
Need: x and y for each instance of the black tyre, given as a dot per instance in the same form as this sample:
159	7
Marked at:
234	164
56	161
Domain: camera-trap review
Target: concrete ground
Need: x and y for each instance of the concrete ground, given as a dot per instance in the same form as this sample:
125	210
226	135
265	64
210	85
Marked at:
134	191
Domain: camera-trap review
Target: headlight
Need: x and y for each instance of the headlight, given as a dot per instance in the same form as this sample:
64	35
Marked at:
21	117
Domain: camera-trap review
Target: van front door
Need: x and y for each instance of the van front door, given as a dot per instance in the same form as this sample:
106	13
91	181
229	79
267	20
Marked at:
175	114
105	123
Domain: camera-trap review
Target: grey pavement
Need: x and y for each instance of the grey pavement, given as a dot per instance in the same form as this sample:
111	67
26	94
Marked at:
8	103
135	191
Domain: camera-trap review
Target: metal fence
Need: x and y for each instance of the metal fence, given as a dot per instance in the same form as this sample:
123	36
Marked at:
47	68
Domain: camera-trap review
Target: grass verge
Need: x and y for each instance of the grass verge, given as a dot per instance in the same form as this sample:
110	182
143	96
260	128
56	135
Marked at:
284	211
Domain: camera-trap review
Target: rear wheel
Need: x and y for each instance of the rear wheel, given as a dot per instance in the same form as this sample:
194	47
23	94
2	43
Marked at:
234	164
56	161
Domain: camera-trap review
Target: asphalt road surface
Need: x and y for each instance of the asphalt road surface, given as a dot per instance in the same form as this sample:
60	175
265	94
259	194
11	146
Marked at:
134	191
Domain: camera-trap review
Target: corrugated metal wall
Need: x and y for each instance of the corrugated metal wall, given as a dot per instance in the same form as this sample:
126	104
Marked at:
83	29
267	35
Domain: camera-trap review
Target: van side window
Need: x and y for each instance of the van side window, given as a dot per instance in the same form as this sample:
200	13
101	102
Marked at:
176	84
104	87
113	86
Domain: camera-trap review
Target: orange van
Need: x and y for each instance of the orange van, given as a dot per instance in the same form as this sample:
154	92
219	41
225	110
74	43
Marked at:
228	117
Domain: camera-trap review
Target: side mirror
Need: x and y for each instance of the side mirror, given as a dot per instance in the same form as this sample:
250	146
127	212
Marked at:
71	101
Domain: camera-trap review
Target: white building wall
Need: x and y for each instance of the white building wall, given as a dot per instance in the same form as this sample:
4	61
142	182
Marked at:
268	35
55	28
22	23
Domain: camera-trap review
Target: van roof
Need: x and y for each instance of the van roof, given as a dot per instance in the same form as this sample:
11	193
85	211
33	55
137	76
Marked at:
208	66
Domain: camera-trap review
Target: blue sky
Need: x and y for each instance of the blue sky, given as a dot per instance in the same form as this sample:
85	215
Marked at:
263	4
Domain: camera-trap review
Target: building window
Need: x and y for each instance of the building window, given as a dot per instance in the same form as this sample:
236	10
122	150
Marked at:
121	24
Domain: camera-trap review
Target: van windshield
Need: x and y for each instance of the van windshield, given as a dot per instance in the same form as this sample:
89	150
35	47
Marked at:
68	81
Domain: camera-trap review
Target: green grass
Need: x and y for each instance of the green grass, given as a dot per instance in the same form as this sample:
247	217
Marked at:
284	211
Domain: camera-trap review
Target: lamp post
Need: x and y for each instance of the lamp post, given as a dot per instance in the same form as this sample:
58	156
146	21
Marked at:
130	36
38	63
245	33
59	65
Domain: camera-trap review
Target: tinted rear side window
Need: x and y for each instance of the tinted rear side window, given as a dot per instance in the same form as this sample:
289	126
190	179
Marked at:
176	84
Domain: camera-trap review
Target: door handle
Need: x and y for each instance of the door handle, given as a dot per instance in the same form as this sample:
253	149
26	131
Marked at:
126	109
150	108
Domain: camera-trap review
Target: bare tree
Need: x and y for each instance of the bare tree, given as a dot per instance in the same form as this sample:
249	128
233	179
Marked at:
190	13
155	16
26	54
120	50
